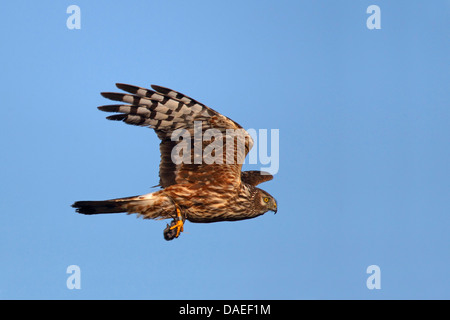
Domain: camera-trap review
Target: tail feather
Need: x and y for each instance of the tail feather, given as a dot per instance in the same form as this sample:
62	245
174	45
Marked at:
105	206
149	206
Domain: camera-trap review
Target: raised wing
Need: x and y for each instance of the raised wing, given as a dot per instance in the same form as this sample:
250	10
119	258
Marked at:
174	117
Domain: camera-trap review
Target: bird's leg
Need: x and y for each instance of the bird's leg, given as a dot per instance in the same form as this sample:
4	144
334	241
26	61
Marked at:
179	222
173	230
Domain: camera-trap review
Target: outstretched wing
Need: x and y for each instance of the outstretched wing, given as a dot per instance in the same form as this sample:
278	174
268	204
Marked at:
175	117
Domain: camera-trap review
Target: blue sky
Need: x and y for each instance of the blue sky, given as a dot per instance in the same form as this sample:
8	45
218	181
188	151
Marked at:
363	117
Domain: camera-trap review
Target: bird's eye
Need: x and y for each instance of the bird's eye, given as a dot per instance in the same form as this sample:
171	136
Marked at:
266	199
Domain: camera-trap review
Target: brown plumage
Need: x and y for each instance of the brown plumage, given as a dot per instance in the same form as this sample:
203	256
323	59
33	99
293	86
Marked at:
195	187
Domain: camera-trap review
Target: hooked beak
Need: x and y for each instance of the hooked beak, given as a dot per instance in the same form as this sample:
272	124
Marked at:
274	207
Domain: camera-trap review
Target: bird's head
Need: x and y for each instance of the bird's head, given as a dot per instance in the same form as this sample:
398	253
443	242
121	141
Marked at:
266	201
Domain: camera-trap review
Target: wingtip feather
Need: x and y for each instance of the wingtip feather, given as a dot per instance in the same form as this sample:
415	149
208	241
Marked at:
161	89
127	87
117	117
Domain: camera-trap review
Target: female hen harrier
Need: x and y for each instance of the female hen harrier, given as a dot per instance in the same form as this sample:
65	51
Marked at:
200	174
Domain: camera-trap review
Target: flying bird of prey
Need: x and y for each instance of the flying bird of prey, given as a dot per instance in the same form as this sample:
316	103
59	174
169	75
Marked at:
193	187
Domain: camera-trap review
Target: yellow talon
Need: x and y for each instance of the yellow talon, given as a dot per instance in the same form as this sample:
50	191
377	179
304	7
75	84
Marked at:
179	224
